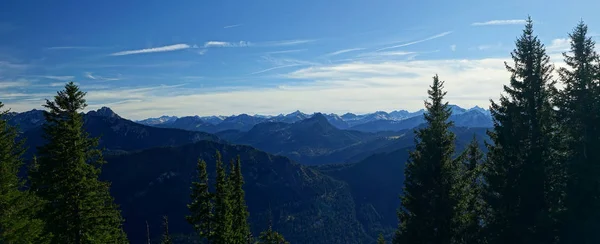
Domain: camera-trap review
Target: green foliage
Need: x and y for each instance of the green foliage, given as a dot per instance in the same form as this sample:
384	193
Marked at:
240	228
472	203
271	237
579	116
201	207
432	190
166	238
18	223
223	216
380	239
77	204
523	176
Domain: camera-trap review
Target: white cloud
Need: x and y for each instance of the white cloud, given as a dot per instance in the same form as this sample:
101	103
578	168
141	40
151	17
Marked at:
96	77
415	42
285	42
382	54
489	46
153	50
14	84
453	47
61	78
559	45
227	44
273	68
202	51
343	51
287	51
231	26
501	22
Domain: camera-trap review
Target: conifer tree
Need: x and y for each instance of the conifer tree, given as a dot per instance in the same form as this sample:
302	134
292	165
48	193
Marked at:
472	218
78	205
240	228
222	209
166	238
522	175
18	206
431	193
201	206
380	239
270	236
579	115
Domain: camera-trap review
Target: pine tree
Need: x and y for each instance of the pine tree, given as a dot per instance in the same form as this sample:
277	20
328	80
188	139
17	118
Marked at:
271	237
240	228
17	206
472	218
222	209
201	206
78	205
522	174
579	115
380	239
166	238
431	190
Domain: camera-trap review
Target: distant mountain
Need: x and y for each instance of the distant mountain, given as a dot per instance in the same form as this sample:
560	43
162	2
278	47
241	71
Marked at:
158	121
377	121
306	206
27	120
118	134
462	118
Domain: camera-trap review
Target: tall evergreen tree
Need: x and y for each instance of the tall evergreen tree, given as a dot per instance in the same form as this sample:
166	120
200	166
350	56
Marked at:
380	239
222	209
579	115
472	217
166	237
431	194
17	206
522	176
270	236
201	206
78	205
240	227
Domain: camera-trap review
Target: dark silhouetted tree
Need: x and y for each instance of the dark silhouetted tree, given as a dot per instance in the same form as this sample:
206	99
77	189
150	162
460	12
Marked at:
77	204
201	206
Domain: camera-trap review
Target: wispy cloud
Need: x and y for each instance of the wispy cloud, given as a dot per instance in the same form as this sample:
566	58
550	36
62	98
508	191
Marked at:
489	46
453	47
69	47
55	77
287	51
226	44
391	53
13	84
285	42
559	45
202	51
273	68
501	22
231	26
343	51
418	41
96	77
153	50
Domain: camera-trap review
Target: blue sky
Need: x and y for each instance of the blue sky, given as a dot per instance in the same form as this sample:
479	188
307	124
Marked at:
152	58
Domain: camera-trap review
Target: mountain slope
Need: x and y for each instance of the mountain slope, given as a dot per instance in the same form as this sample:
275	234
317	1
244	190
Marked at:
307	206
462	118
118	134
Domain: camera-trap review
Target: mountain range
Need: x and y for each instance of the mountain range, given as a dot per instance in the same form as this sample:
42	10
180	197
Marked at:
373	122
320	182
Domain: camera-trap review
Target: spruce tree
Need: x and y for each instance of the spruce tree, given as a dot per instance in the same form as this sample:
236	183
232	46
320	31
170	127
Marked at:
78	205
18	206
522	175
240	228
380	239
222	209
431	193
201	206
579	115
270	236
166	237
472	217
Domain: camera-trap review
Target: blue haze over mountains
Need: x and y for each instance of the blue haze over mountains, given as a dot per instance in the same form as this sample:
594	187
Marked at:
342	172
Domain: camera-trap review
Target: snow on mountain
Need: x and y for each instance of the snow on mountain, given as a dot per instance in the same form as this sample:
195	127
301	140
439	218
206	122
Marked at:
158	121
